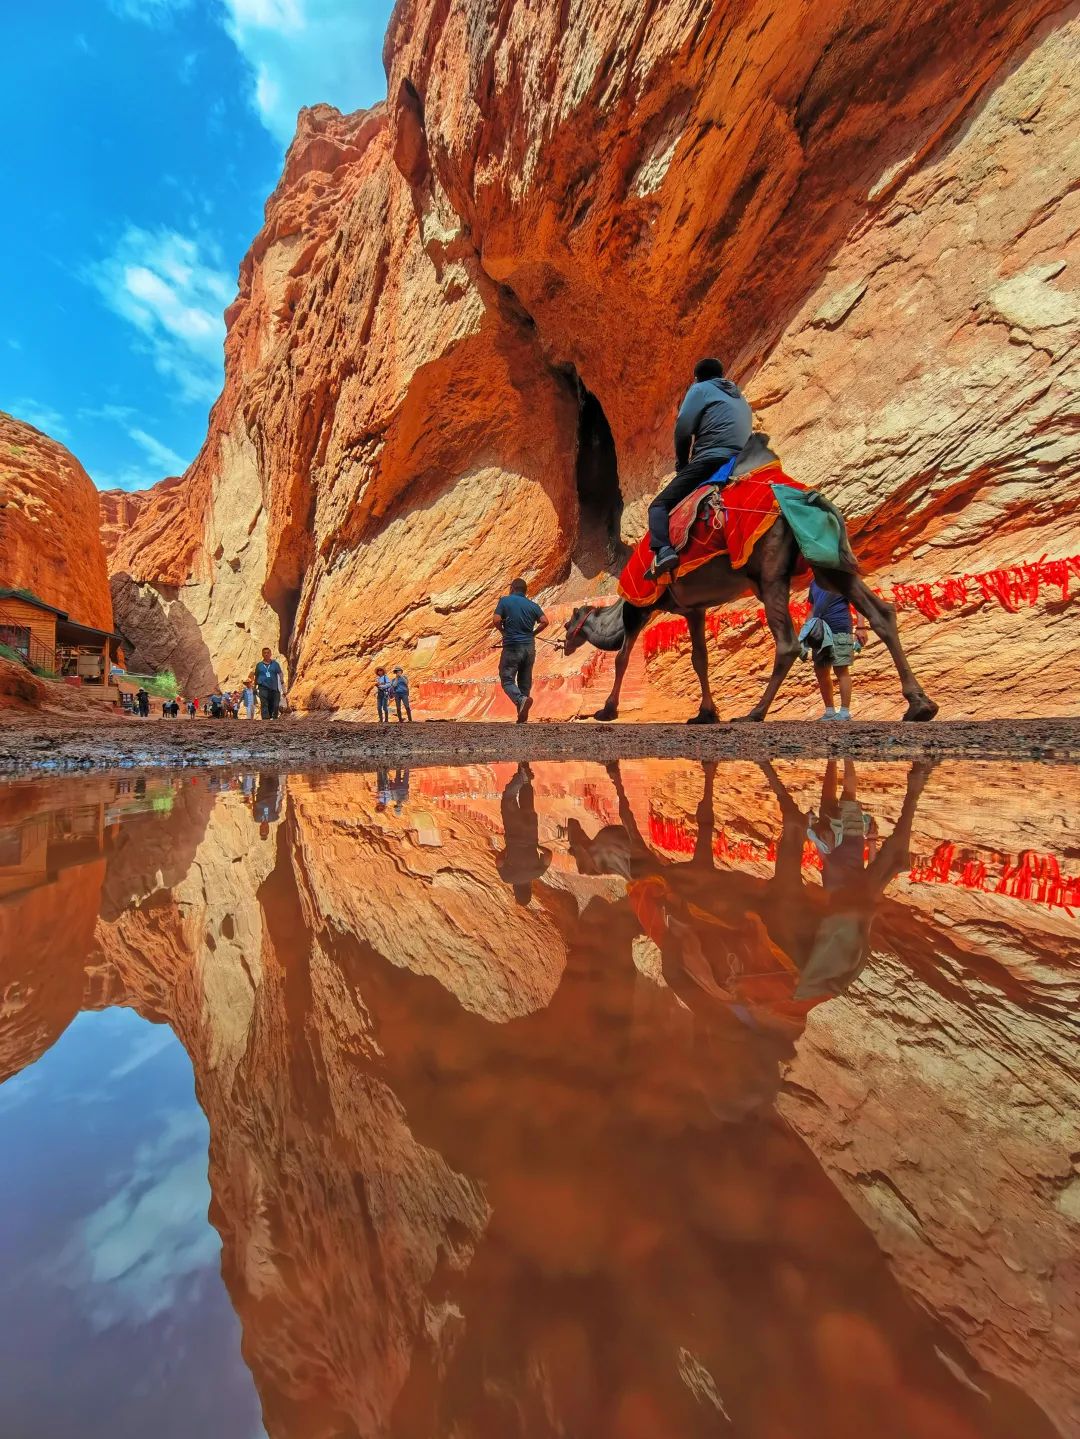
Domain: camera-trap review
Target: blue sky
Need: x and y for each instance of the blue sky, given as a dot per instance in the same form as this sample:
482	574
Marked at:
140	139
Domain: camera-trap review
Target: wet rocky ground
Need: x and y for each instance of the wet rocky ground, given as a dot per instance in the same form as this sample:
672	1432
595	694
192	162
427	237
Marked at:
54	743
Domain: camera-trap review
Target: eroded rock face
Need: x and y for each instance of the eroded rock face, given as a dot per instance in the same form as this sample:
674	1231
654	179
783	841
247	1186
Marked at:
49	525
462	333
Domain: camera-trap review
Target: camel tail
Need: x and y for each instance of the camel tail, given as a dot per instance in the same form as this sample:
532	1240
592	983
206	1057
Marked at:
847	554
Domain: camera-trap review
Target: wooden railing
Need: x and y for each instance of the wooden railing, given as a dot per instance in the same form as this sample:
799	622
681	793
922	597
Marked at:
17	636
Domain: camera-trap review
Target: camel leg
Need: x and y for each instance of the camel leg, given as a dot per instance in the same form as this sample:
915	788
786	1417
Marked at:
775	596
882	620
610	710
699	654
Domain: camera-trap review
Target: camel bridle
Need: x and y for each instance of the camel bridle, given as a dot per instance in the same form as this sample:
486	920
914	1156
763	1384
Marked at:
589	611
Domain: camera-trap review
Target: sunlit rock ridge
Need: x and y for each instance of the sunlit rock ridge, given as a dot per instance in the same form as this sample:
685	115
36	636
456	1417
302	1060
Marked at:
462	332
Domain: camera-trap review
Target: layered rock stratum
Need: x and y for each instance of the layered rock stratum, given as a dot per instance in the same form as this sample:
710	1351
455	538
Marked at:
49	540
462	333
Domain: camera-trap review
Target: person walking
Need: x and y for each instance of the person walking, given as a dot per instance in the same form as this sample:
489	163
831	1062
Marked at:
142	699
836	654
383	687
519	620
400	689
270	683
192	708
247	697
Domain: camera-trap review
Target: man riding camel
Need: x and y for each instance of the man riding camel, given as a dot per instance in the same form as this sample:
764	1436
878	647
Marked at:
714	424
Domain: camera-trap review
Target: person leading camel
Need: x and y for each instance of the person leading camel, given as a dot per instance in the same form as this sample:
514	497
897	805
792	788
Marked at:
713	424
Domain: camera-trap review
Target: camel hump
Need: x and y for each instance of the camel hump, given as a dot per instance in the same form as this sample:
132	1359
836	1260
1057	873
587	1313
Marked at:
754	455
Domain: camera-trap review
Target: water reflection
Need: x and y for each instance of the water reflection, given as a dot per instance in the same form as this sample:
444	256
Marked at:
555	1100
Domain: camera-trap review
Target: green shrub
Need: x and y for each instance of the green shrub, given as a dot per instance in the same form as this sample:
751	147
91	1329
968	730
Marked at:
162	686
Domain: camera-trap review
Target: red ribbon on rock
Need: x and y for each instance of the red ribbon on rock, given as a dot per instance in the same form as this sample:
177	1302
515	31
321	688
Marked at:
1029	876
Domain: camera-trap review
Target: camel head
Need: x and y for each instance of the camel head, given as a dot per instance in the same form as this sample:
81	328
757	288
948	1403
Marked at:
600	625
575	628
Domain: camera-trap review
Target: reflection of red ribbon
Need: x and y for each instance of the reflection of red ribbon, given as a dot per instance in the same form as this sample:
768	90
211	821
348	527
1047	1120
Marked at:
1034	877
1011	587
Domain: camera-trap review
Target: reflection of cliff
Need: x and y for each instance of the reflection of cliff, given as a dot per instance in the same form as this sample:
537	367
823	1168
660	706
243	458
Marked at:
430	899
475	1173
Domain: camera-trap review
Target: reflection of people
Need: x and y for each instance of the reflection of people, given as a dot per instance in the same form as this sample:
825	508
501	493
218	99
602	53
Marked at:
524	858
399	789
382	788
842	831
266	809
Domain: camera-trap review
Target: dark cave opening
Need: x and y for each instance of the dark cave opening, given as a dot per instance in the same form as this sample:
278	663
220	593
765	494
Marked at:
600	501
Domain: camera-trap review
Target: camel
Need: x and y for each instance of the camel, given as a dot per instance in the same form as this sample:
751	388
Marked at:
767	573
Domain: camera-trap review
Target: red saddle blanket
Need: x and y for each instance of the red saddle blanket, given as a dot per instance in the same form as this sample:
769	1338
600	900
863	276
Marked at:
708	523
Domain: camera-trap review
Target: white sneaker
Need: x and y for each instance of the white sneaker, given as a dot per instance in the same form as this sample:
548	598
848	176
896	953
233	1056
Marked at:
829	714
842	714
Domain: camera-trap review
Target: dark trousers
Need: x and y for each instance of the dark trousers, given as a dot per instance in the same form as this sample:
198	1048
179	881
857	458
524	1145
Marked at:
515	670
686	481
269	699
400	700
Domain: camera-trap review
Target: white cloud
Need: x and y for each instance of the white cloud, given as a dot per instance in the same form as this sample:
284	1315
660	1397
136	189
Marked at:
160	460
42	417
130	1260
169	461
150	12
301	52
171	289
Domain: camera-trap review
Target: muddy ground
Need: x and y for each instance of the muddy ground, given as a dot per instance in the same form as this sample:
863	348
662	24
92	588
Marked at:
35	742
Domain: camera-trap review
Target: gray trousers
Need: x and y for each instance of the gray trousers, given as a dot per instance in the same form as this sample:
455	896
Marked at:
515	670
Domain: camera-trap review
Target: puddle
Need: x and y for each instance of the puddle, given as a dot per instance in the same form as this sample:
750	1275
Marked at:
657	1099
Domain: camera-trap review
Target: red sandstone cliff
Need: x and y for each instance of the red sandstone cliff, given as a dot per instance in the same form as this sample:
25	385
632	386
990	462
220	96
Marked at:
462	332
49	525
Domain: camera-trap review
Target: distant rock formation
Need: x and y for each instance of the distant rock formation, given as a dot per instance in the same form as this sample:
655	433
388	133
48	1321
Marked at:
461	335
49	525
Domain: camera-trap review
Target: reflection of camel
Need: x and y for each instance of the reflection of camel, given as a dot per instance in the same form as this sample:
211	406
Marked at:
767	950
524	859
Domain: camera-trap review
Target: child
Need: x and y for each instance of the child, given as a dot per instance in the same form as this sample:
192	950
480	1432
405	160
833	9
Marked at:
400	689
383	689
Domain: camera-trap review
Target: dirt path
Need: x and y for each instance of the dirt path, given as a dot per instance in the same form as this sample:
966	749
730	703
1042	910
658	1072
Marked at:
35	742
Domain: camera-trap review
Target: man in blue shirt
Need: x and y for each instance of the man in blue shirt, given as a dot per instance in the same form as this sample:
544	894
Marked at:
837	657
713	425
269	681
520	620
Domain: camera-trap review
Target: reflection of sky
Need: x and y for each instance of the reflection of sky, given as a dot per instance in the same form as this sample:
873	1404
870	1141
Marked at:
114	1317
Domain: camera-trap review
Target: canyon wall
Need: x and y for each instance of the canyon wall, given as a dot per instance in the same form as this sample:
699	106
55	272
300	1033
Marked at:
462	333
49	526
